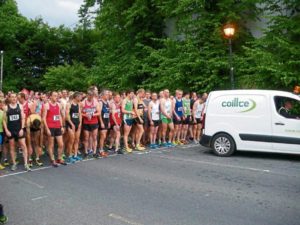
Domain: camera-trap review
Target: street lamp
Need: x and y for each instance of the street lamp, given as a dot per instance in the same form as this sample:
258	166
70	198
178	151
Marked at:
1	73
229	31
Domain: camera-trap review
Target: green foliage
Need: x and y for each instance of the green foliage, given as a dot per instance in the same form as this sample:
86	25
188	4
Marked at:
121	44
70	77
273	61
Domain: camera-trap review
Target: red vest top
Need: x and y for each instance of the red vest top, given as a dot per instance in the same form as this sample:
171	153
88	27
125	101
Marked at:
53	116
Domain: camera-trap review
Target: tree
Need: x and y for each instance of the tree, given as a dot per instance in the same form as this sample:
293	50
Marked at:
70	77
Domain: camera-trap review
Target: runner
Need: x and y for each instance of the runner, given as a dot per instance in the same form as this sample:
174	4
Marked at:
187	115
139	111
34	138
178	117
154	119
90	113
54	127
127	111
14	124
146	101
116	122
25	104
73	125
167	107
1	131
197	112
103	121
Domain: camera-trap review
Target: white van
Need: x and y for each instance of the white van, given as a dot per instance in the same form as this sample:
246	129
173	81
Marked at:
249	120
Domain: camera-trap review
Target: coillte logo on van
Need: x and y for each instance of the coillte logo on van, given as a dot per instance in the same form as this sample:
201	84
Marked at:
245	105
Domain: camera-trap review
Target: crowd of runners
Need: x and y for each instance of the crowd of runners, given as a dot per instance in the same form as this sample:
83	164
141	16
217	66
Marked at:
70	126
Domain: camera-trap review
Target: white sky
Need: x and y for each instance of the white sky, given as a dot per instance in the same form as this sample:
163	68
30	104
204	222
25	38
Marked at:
54	12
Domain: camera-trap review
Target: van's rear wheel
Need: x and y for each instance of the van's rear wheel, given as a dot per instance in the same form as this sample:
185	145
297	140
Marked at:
223	145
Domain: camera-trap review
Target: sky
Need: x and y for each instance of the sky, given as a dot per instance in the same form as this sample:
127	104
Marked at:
54	12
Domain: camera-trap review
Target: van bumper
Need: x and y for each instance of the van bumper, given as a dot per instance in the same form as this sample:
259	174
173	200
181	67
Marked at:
205	140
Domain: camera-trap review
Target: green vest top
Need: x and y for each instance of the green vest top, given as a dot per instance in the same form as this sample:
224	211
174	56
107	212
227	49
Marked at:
186	106
128	107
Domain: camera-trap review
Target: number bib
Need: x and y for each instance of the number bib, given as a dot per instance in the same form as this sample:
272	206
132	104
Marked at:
106	115
75	115
14	117
56	118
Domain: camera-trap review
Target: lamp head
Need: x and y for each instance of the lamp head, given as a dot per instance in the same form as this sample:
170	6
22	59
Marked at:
229	30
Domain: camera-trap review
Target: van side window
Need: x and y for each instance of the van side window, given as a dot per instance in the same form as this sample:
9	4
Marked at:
287	107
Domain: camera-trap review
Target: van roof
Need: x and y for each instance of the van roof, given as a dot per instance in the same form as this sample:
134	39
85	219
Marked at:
256	91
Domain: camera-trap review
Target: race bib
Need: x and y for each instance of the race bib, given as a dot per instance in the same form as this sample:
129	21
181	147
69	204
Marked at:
75	115
14	117
106	115
180	109
56	118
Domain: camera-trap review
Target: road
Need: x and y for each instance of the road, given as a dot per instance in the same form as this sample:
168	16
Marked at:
184	185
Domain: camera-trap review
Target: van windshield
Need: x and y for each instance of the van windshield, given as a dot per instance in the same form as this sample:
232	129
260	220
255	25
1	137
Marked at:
287	107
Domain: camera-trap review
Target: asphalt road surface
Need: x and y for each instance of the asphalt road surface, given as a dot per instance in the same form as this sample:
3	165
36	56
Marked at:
184	185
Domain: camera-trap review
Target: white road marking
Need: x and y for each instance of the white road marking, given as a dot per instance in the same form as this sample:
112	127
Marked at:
21	172
123	219
214	164
29	182
39	198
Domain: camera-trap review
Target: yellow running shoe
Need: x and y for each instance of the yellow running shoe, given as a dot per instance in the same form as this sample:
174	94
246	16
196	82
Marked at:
2	167
140	148
128	150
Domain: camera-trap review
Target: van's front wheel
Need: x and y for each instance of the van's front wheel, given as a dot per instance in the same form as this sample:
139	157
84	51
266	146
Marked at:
223	145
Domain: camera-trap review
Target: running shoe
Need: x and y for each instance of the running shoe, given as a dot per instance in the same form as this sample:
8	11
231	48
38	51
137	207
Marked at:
140	148
128	150
14	167
171	145
165	144
77	158
152	146
54	164
96	156
103	154
2	167
156	146
70	160
120	152
6	163
27	167
174	143
3	219
61	162
38	162
30	163
90	152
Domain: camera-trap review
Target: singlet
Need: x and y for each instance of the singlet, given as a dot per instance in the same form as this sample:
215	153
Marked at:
128	107
186	106
117	115
140	107
168	104
1	121
53	116
74	114
14	116
39	106
155	111
105	110
199	110
179	107
90	110
26	109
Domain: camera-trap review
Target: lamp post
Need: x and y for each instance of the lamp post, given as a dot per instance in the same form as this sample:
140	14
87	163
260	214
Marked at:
1	73
229	31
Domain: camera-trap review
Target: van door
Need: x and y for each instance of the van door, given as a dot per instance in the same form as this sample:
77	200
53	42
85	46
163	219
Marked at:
286	124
